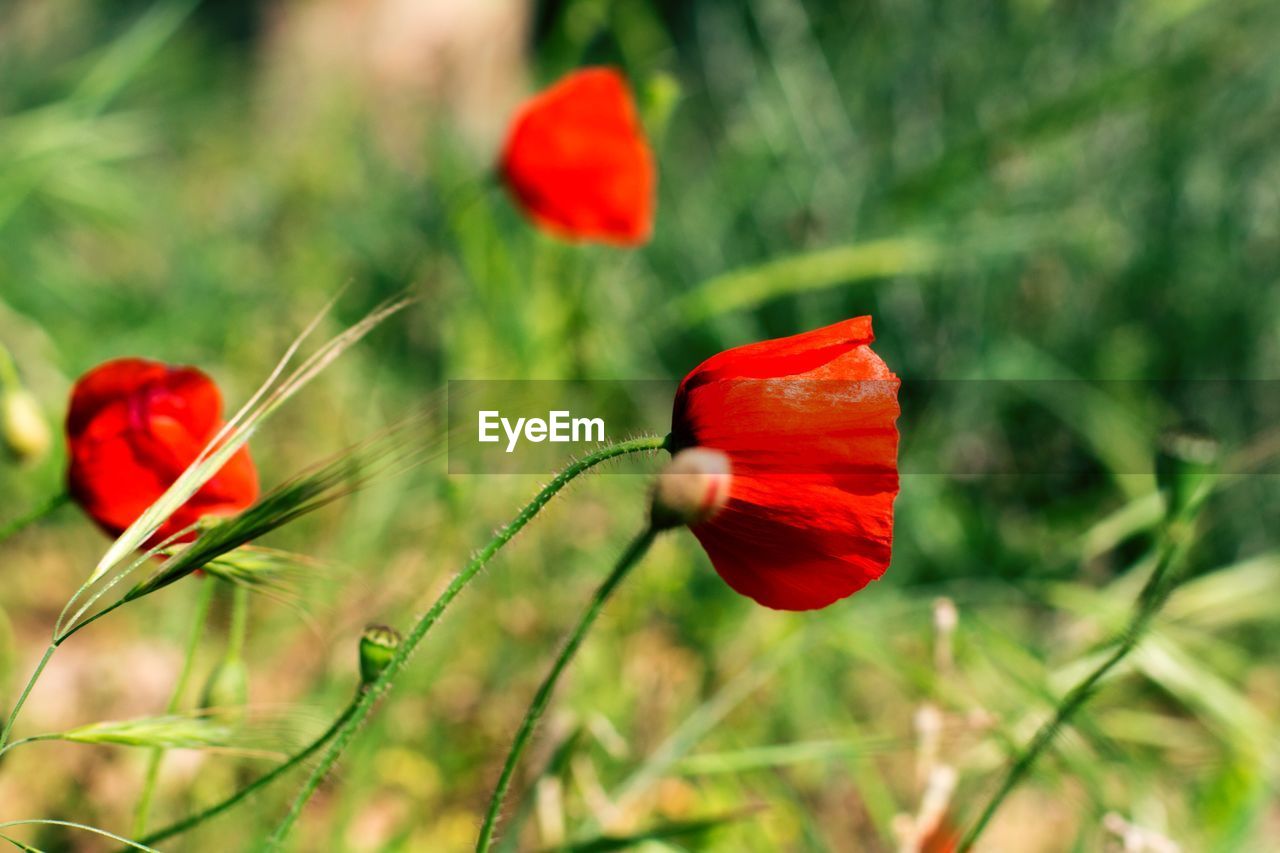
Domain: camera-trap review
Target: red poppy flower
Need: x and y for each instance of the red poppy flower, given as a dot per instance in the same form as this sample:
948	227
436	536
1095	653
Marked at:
809	425
577	162
132	428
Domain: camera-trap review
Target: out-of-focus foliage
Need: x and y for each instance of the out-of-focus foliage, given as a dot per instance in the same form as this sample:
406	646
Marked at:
1020	191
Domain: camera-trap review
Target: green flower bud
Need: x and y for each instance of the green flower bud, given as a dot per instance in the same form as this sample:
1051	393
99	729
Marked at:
227	691
24	433
658	99
378	646
1186	460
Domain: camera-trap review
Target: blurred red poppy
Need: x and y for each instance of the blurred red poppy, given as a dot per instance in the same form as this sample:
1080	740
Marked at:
132	428
577	162
943	838
809	425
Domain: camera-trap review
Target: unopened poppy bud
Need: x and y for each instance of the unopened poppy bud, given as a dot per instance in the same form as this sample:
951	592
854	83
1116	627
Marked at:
23	429
692	488
227	690
1185	462
378	646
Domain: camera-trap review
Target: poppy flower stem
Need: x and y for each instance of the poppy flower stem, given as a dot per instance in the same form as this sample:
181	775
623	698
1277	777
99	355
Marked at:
637	549
198	620
37	513
379	687
1161	583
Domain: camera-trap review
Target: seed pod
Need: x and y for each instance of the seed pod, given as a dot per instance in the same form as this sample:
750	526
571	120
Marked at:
692	488
378	645
23	429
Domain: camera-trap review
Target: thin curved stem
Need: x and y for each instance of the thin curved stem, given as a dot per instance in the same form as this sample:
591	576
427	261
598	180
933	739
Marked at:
1152	597
134	845
36	513
379	687
36	673
198	620
13	744
80	626
26	691
625	563
216	809
138	561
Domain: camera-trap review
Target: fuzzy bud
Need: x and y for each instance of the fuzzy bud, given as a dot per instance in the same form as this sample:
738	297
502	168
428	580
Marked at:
945	615
378	646
24	432
691	489
227	690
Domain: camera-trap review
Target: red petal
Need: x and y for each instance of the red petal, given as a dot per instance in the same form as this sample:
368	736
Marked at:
577	162
232	489
189	396
802	542
790	356
107	383
134	427
809	423
111	482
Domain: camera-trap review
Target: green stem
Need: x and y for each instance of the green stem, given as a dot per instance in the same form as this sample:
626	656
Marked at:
1154	594
198	620
369	698
239	627
13	744
625	563
26	691
85	623
8	370
216	809
39	512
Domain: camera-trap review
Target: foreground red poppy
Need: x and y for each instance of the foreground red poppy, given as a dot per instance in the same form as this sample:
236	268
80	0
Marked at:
577	162
809	425
132	428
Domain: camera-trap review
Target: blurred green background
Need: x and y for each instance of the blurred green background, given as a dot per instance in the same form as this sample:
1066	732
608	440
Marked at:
1016	191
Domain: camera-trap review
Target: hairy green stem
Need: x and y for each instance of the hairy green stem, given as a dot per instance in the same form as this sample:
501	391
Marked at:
625	563
198	619
1154	594
383	683
37	513
218	808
